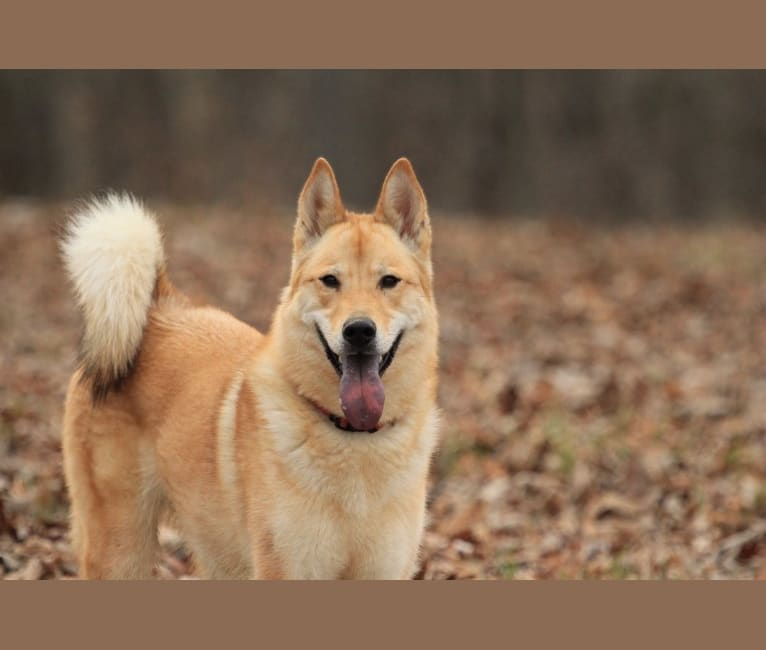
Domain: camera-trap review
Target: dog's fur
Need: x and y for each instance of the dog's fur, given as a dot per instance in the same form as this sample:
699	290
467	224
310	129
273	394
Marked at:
184	410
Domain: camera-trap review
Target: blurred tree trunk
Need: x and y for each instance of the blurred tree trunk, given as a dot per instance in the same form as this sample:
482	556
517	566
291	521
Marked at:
601	143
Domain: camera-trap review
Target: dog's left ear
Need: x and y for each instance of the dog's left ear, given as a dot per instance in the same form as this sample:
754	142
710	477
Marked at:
402	205
319	204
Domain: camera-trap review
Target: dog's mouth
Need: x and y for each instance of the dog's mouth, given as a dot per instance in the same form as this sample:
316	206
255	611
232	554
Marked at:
361	390
388	357
333	358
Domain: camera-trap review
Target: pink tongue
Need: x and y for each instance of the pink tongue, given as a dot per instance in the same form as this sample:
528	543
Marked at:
361	391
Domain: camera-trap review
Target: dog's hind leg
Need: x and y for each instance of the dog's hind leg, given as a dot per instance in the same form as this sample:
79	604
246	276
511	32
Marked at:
116	500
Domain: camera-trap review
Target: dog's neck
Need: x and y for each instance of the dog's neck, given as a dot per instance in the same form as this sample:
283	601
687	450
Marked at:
343	424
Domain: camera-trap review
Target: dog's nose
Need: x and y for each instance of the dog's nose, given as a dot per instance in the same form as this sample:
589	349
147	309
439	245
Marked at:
359	332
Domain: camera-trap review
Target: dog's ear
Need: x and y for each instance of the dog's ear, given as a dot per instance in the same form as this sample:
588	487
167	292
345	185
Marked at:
319	204
402	205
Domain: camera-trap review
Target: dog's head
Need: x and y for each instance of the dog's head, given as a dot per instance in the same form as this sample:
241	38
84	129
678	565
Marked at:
358	320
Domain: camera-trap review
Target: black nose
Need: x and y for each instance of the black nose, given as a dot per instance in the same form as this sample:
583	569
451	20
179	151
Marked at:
359	332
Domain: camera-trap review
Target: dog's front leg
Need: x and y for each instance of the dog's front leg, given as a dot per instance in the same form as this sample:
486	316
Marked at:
391	553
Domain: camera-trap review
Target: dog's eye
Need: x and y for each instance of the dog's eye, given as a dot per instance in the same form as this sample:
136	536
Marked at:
388	281
330	281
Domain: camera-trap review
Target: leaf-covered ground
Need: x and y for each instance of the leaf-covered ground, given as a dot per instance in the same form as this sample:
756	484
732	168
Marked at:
603	390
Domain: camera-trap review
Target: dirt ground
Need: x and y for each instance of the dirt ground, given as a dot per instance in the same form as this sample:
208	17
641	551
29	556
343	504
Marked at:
603	390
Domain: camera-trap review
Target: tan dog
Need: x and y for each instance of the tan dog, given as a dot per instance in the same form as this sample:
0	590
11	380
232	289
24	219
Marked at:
303	453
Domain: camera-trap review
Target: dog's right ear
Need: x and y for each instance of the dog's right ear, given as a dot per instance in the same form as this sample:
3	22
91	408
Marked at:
319	205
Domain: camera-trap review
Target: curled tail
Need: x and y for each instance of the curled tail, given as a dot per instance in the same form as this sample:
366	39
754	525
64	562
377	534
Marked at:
113	253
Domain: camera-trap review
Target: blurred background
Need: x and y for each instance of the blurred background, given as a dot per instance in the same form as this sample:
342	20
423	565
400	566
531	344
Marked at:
599	242
586	143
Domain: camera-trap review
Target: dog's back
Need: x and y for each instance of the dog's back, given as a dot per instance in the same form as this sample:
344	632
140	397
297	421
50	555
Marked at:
152	366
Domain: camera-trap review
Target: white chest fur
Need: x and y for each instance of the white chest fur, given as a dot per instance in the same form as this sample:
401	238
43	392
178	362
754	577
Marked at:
356	505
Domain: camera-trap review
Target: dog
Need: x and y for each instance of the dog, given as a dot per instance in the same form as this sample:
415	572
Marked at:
302	453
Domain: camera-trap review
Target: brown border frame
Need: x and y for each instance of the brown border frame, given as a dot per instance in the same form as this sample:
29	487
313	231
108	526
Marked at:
394	34
589	33
427	614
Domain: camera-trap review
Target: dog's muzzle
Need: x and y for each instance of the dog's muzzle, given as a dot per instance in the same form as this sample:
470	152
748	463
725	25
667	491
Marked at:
334	359
360	368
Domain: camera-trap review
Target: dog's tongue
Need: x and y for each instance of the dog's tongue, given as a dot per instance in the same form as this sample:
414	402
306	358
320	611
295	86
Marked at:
361	391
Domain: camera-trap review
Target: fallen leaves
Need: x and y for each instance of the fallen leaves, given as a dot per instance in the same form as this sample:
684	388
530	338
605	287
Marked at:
603	392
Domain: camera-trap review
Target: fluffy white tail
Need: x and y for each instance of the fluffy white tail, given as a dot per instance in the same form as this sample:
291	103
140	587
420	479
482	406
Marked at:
113	253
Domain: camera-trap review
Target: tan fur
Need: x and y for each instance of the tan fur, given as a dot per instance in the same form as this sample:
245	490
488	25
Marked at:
220	426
